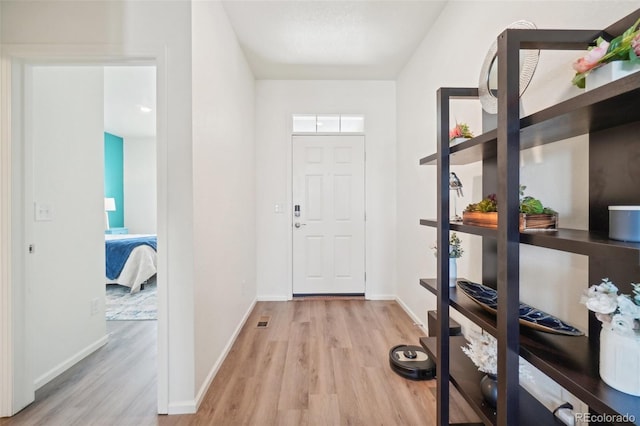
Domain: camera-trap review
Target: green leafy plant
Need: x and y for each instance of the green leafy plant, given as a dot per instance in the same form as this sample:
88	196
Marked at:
455	247
488	204
528	205
625	47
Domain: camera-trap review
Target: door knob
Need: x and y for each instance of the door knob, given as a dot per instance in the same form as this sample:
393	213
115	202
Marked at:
298	224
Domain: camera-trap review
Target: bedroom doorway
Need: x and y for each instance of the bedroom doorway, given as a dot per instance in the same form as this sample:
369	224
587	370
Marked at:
130	193
58	216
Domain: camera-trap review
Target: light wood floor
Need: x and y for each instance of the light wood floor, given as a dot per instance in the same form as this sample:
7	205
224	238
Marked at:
116	385
319	362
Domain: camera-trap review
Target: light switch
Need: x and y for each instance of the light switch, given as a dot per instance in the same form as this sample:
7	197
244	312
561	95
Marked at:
43	212
278	208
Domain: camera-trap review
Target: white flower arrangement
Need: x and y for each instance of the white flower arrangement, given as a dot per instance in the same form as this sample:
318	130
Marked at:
619	312
483	351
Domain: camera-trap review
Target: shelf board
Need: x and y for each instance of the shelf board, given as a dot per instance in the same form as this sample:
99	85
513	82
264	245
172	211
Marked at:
569	360
588	243
611	105
466	378
460	227
577	241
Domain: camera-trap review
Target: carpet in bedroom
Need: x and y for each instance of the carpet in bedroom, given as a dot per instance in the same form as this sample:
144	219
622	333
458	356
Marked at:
120	305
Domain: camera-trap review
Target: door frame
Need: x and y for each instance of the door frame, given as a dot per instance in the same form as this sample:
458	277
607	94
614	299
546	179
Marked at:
16	385
290	204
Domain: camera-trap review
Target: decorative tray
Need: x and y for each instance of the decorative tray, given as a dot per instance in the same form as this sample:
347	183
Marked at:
487	298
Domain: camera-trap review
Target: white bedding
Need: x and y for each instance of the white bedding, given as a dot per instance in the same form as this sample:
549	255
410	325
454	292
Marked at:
140	266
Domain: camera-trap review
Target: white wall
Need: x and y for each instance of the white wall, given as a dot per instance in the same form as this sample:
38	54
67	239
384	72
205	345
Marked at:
155	30
276	101
224	188
451	55
66	271
140	184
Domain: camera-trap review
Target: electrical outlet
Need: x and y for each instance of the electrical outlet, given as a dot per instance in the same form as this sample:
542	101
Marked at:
95	304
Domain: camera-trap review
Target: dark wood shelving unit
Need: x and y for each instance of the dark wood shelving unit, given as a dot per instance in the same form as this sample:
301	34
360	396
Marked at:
608	114
569	360
466	378
576	241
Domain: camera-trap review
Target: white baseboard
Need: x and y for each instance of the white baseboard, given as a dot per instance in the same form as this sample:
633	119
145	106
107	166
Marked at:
416	319
273	298
214	370
68	363
380	296
182	407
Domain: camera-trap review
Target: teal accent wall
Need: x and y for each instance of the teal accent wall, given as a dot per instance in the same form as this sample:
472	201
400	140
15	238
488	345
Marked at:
114	177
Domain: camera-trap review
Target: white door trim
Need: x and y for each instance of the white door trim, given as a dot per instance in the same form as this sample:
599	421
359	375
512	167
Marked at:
6	312
13	387
290	204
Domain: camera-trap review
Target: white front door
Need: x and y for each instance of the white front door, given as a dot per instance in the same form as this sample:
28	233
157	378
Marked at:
328	215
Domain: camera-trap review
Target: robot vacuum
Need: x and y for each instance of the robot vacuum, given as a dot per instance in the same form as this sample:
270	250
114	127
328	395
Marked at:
412	362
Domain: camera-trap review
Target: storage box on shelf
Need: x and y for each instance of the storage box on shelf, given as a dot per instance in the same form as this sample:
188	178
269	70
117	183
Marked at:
609	115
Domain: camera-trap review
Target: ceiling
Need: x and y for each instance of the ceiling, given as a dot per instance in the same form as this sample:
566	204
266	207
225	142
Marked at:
304	39
291	40
130	101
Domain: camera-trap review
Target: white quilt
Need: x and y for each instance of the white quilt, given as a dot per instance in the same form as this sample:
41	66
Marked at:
140	266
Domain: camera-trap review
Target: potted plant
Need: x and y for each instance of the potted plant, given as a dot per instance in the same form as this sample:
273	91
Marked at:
460	133
619	336
607	61
533	214
455	252
483	213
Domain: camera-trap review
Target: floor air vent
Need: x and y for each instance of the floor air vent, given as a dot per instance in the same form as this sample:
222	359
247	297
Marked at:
263	322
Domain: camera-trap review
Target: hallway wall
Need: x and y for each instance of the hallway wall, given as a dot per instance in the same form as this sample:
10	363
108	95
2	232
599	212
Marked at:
224	189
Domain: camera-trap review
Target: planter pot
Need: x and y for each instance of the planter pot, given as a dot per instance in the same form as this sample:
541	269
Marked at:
456	141
620	361
608	73
489	389
453	272
538	222
489	219
528	222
